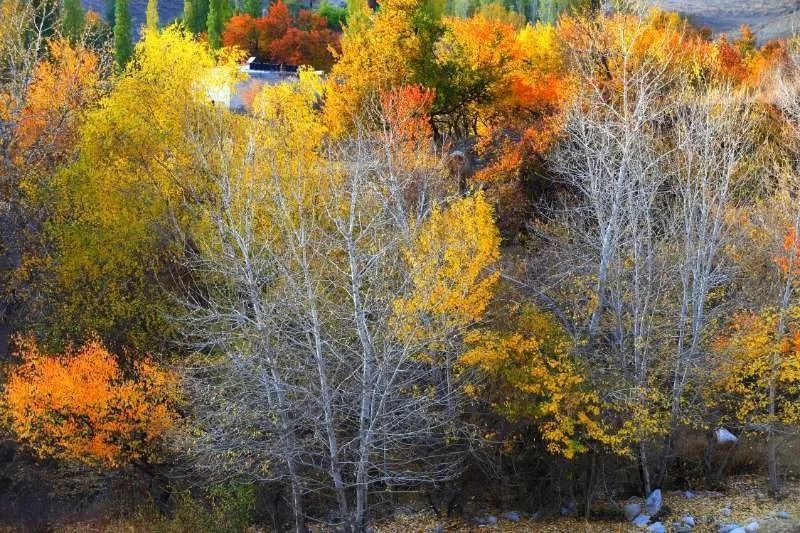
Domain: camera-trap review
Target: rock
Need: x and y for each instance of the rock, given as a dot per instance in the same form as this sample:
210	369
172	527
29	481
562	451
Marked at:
653	503
491	520
439	528
739	530
641	520
725	511
752	526
511	516
783	515
569	509
657	527
688	494
632	510
481	521
730	528
725	437
688	521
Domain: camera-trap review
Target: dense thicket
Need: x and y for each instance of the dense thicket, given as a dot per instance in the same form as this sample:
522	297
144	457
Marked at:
558	255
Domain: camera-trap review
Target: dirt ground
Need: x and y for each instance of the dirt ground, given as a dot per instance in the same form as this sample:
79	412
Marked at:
746	499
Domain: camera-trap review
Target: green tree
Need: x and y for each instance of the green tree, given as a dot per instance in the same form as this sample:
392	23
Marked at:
152	15
123	40
215	21
73	20
109	12
253	7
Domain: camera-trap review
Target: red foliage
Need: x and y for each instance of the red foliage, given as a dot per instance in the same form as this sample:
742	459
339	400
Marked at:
278	37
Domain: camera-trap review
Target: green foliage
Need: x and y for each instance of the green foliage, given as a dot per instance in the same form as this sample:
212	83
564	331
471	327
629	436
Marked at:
336	16
123	36
73	20
253	7
221	508
217	10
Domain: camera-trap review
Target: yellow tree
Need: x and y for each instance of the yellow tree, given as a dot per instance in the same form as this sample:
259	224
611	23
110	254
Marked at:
534	378
118	209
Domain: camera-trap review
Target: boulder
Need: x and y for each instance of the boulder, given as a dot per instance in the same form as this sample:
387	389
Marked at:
688	521
511	516
657	527
725	437
632	510
730	528
652	504
641	521
752	526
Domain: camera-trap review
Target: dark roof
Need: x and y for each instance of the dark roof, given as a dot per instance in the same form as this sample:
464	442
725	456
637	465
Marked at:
271	67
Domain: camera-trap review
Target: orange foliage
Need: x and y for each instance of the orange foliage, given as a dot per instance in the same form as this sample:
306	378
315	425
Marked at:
789	260
81	406
278	37
407	110
62	88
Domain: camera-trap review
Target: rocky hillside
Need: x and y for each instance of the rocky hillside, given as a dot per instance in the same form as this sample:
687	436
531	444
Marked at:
770	19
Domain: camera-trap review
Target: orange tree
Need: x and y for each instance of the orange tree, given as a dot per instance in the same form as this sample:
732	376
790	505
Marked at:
81	405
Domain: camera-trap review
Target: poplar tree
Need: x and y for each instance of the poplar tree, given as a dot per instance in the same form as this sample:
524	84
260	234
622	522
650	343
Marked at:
73	21
151	15
123	39
253	8
218	13
188	14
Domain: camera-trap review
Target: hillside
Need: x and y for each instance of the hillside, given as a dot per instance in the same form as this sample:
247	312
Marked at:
770	19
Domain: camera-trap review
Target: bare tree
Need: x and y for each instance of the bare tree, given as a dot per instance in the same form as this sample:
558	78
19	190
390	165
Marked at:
304	376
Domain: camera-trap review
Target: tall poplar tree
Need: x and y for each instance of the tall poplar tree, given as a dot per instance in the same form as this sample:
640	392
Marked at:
123	38
215	21
73	20
151	15
253	7
188	14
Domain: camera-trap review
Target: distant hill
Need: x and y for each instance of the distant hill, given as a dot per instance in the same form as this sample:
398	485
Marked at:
770	19
168	10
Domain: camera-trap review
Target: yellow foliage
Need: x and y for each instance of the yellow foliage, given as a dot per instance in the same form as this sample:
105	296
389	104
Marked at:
754	358
533	378
451	261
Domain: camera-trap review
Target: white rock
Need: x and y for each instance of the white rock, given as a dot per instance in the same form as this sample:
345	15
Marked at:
641	520
752	526
511	516
688	521
783	514
657	527
725	437
653	503
725	511
632	510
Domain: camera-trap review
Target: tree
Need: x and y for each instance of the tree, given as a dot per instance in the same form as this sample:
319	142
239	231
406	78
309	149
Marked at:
323	256
215	22
123	37
73	20
253	8
81	406
151	21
